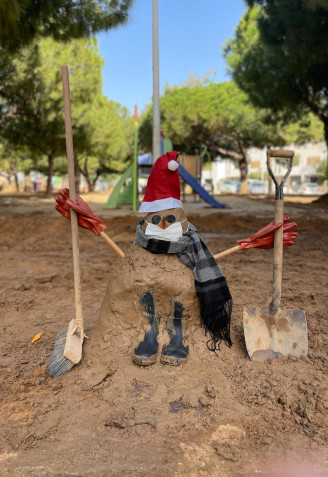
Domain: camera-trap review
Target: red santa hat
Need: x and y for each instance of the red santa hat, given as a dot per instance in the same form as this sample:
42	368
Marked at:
163	187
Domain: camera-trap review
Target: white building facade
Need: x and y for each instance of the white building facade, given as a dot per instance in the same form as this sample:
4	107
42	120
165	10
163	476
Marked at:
306	161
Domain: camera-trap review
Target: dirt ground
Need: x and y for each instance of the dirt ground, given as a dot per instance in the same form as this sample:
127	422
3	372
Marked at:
216	415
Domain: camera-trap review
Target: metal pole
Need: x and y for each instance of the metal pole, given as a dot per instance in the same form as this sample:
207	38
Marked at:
156	110
135	161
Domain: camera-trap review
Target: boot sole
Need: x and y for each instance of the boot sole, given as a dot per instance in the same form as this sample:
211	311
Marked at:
144	360
171	361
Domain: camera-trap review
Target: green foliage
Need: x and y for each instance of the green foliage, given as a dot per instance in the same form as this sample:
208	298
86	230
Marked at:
18	82
108	139
41	127
279	57
13	160
255	175
296	159
307	129
21	21
102	129
217	115
322	174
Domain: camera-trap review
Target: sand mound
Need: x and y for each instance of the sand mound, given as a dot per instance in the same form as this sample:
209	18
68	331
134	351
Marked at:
215	415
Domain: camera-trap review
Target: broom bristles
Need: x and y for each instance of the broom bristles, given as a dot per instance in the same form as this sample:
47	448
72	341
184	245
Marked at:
58	364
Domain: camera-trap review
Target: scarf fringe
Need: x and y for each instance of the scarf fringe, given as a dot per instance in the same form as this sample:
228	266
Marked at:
216	320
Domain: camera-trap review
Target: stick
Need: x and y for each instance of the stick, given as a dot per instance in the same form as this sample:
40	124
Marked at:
227	252
112	244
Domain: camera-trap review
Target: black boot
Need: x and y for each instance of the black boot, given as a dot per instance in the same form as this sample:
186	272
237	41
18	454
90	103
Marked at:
176	353
146	352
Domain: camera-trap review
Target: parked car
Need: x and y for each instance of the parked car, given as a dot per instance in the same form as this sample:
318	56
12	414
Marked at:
229	187
257	187
310	188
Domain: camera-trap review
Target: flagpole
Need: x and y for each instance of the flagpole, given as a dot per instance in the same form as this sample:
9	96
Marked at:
156	110
135	160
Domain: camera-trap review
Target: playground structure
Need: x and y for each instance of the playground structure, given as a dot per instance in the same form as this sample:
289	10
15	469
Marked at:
190	171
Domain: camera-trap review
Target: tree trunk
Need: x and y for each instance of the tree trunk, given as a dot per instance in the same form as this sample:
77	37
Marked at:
6	176
91	185
326	140
243	177
77	176
16	181
322	115
51	158
243	170
85	172
94	182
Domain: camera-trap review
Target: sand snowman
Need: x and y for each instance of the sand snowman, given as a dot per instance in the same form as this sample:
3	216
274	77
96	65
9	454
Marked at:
168	284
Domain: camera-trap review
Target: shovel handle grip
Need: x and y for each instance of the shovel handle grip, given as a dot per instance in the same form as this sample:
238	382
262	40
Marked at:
284	153
281	153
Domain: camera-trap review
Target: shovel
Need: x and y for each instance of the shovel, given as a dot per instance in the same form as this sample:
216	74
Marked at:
271	332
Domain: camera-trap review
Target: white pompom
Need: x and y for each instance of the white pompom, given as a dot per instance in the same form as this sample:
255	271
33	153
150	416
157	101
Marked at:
173	165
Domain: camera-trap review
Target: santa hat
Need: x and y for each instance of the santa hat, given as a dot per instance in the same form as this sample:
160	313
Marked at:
163	187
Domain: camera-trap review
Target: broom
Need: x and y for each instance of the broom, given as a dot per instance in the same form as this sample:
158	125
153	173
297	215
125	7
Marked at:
68	344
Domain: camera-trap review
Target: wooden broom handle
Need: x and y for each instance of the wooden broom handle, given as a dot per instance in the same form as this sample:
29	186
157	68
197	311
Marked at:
227	252
72	196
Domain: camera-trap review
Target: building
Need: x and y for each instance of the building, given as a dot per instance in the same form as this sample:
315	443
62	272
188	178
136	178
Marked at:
306	161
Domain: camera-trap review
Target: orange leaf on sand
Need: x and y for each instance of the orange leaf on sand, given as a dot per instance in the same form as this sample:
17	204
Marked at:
36	337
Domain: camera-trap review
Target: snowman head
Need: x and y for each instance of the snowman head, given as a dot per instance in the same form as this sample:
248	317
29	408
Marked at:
167	224
165	217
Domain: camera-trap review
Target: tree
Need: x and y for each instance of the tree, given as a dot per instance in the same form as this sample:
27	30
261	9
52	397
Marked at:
12	160
102	129
22	21
41	127
218	116
18	82
108	140
279	57
322	172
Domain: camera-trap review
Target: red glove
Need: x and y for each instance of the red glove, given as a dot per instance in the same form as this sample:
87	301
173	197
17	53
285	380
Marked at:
85	217
264	238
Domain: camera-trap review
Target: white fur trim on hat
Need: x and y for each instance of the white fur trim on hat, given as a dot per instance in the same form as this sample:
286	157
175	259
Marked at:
161	204
173	165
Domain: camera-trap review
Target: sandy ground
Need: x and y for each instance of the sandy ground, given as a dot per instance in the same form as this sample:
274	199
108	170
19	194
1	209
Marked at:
215	416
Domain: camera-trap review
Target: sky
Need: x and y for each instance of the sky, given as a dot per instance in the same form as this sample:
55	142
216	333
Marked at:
191	35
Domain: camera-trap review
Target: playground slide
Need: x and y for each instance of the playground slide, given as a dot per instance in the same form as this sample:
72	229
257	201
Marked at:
198	188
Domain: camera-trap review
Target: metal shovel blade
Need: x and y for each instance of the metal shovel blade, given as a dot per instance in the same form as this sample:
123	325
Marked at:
284	334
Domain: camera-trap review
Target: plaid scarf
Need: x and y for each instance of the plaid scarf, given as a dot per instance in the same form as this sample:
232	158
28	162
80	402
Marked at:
211	286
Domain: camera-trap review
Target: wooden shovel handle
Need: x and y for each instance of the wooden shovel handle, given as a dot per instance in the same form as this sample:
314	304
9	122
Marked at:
72	196
277	257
